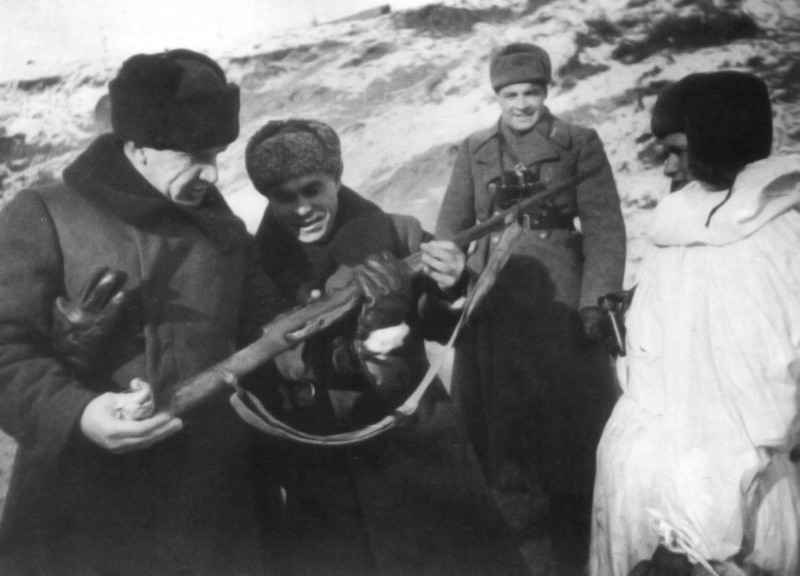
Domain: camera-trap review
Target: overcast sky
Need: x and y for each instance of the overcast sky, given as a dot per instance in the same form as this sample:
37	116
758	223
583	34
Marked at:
53	31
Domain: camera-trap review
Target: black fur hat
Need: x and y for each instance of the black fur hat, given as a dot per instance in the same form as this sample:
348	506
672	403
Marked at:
285	149
175	100
726	116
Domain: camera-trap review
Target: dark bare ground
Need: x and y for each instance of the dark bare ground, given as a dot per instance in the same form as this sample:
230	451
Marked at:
525	513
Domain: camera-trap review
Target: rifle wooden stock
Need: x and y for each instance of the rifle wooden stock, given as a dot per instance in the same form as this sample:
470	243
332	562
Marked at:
295	326
280	335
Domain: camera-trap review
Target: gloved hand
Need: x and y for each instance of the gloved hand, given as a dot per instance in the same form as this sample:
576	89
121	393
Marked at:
386	285
594	323
598	329
81	327
297	368
293	366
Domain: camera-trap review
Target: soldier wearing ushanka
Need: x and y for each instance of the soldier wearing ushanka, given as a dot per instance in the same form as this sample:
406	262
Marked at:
530	376
413	501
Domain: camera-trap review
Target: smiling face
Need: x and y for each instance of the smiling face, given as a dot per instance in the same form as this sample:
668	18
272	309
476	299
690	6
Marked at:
521	104
183	177
676	168
306	206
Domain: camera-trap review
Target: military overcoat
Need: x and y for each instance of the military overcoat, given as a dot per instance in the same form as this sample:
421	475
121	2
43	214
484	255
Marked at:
412	502
527	385
185	505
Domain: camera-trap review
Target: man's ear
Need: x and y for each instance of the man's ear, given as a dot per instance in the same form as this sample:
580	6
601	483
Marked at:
545	87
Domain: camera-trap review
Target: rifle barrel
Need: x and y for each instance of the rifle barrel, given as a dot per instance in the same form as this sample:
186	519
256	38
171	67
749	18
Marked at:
499	220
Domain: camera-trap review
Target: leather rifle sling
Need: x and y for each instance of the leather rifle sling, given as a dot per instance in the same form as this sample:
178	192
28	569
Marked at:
252	411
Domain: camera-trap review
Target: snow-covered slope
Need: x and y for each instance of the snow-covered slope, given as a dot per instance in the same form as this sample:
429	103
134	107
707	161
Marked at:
404	88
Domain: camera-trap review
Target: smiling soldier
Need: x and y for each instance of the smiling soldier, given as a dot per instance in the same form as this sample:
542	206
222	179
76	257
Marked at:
411	502
530	376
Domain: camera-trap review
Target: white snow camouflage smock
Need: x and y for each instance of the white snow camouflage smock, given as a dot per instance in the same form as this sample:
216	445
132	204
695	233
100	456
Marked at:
711	396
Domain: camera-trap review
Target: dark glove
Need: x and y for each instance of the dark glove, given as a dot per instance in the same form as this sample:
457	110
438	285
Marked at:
594	322
597	329
615	305
386	285
81	327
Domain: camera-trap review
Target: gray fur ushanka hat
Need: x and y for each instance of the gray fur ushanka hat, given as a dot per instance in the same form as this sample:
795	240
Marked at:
518	63
285	149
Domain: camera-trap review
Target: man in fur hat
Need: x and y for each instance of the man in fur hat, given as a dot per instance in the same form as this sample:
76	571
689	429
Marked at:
696	456
137	227
530	375
411	502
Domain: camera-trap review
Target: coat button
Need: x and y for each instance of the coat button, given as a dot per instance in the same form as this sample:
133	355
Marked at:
544	234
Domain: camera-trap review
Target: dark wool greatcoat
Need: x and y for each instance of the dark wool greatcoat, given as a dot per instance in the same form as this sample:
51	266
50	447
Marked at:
410	503
184	506
528	389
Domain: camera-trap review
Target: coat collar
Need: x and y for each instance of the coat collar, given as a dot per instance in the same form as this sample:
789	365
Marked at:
103	175
545	142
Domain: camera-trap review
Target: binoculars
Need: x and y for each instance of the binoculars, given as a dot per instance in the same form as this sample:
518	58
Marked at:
510	187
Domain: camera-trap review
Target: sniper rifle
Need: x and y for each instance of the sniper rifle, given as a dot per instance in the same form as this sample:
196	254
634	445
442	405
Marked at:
300	324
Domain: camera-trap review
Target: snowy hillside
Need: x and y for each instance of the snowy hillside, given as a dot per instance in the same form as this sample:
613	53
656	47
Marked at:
404	88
